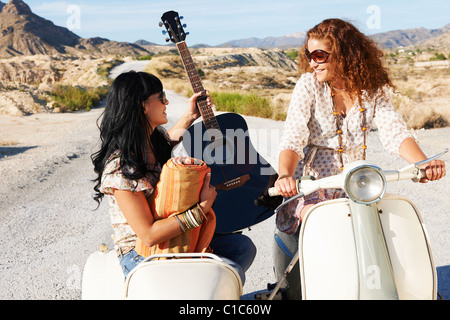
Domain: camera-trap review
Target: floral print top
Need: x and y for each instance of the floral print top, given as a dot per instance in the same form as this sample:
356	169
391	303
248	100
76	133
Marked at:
311	125
124	237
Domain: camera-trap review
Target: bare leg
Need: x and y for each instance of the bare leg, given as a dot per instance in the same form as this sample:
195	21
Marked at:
304	211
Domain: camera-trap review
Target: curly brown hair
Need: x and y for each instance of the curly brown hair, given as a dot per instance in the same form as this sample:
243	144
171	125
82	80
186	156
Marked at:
360	61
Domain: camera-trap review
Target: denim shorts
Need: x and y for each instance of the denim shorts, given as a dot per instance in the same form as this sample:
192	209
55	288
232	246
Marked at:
129	261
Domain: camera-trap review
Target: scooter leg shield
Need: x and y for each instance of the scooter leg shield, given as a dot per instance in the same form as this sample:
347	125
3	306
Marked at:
332	268
328	261
409	249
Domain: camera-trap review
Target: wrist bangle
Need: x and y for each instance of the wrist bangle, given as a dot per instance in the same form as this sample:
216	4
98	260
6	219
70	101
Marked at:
201	211
284	176
190	220
181	224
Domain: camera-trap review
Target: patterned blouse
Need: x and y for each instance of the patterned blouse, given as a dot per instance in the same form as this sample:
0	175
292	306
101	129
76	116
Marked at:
311	131
124	237
311	122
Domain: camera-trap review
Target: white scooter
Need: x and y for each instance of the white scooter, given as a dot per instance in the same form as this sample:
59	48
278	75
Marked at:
370	246
187	276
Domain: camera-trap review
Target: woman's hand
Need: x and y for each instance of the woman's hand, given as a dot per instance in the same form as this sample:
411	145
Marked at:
207	194
193	113
286	186
435	170
411	152
193	110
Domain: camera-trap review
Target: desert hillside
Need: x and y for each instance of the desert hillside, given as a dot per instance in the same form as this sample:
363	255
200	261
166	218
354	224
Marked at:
47	68
422	80
25	33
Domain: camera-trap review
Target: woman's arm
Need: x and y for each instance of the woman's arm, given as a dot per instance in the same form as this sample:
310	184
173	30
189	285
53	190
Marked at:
411	152
295	135
136	211
287	164
177	131
396	138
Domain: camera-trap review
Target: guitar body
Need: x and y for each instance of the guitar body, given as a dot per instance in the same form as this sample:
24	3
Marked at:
241	176
232	158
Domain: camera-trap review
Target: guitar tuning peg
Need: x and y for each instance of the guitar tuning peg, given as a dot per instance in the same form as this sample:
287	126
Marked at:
187	33
167	39
161	24
184	25
181	18
164	32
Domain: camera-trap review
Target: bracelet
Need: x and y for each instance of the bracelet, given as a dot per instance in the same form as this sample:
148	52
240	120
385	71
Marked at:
190	219
201	210
284	176
181	224
197	216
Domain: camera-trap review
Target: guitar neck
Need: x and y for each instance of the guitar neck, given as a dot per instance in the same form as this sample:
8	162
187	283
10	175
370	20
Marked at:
206	111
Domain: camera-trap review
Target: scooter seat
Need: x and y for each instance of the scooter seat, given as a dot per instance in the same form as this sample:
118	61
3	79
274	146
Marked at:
183	277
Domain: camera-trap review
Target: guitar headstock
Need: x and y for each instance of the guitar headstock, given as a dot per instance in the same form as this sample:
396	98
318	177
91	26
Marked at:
172	21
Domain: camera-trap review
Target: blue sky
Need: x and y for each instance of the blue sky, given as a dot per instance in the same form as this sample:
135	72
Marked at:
216	21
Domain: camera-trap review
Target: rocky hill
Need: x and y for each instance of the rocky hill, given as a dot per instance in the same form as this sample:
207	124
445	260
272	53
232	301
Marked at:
441	42
24	33
36	56
404	38
388	40
26	81
288	41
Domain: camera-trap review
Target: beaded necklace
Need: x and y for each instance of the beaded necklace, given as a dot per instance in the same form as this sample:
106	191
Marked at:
339	130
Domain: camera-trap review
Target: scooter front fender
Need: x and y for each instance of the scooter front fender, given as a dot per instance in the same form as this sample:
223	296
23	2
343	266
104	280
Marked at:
327	253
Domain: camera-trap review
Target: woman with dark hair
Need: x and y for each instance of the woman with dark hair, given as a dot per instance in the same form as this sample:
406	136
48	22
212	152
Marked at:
134	147
342	94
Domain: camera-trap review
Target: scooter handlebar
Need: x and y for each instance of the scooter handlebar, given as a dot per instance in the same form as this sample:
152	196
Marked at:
411	171
273	192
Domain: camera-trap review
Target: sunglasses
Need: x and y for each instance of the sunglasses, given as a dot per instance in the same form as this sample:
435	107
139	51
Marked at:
319	56
161	97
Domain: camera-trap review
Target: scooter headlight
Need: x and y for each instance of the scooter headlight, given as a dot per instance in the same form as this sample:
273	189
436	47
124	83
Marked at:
365	184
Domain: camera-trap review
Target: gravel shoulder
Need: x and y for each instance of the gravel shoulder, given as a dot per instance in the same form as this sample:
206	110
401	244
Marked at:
49	225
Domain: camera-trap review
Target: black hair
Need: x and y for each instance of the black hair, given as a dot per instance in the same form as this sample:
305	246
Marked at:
125	127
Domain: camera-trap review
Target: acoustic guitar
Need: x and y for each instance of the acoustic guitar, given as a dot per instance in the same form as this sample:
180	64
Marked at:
241	176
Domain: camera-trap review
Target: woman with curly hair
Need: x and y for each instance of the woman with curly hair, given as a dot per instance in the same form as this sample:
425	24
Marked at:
333	107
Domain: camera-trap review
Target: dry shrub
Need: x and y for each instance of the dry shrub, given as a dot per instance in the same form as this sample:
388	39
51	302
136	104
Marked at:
423	96
5	142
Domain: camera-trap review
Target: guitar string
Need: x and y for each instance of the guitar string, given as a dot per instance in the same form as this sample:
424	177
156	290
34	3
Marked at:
197	87
210	120
207	113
